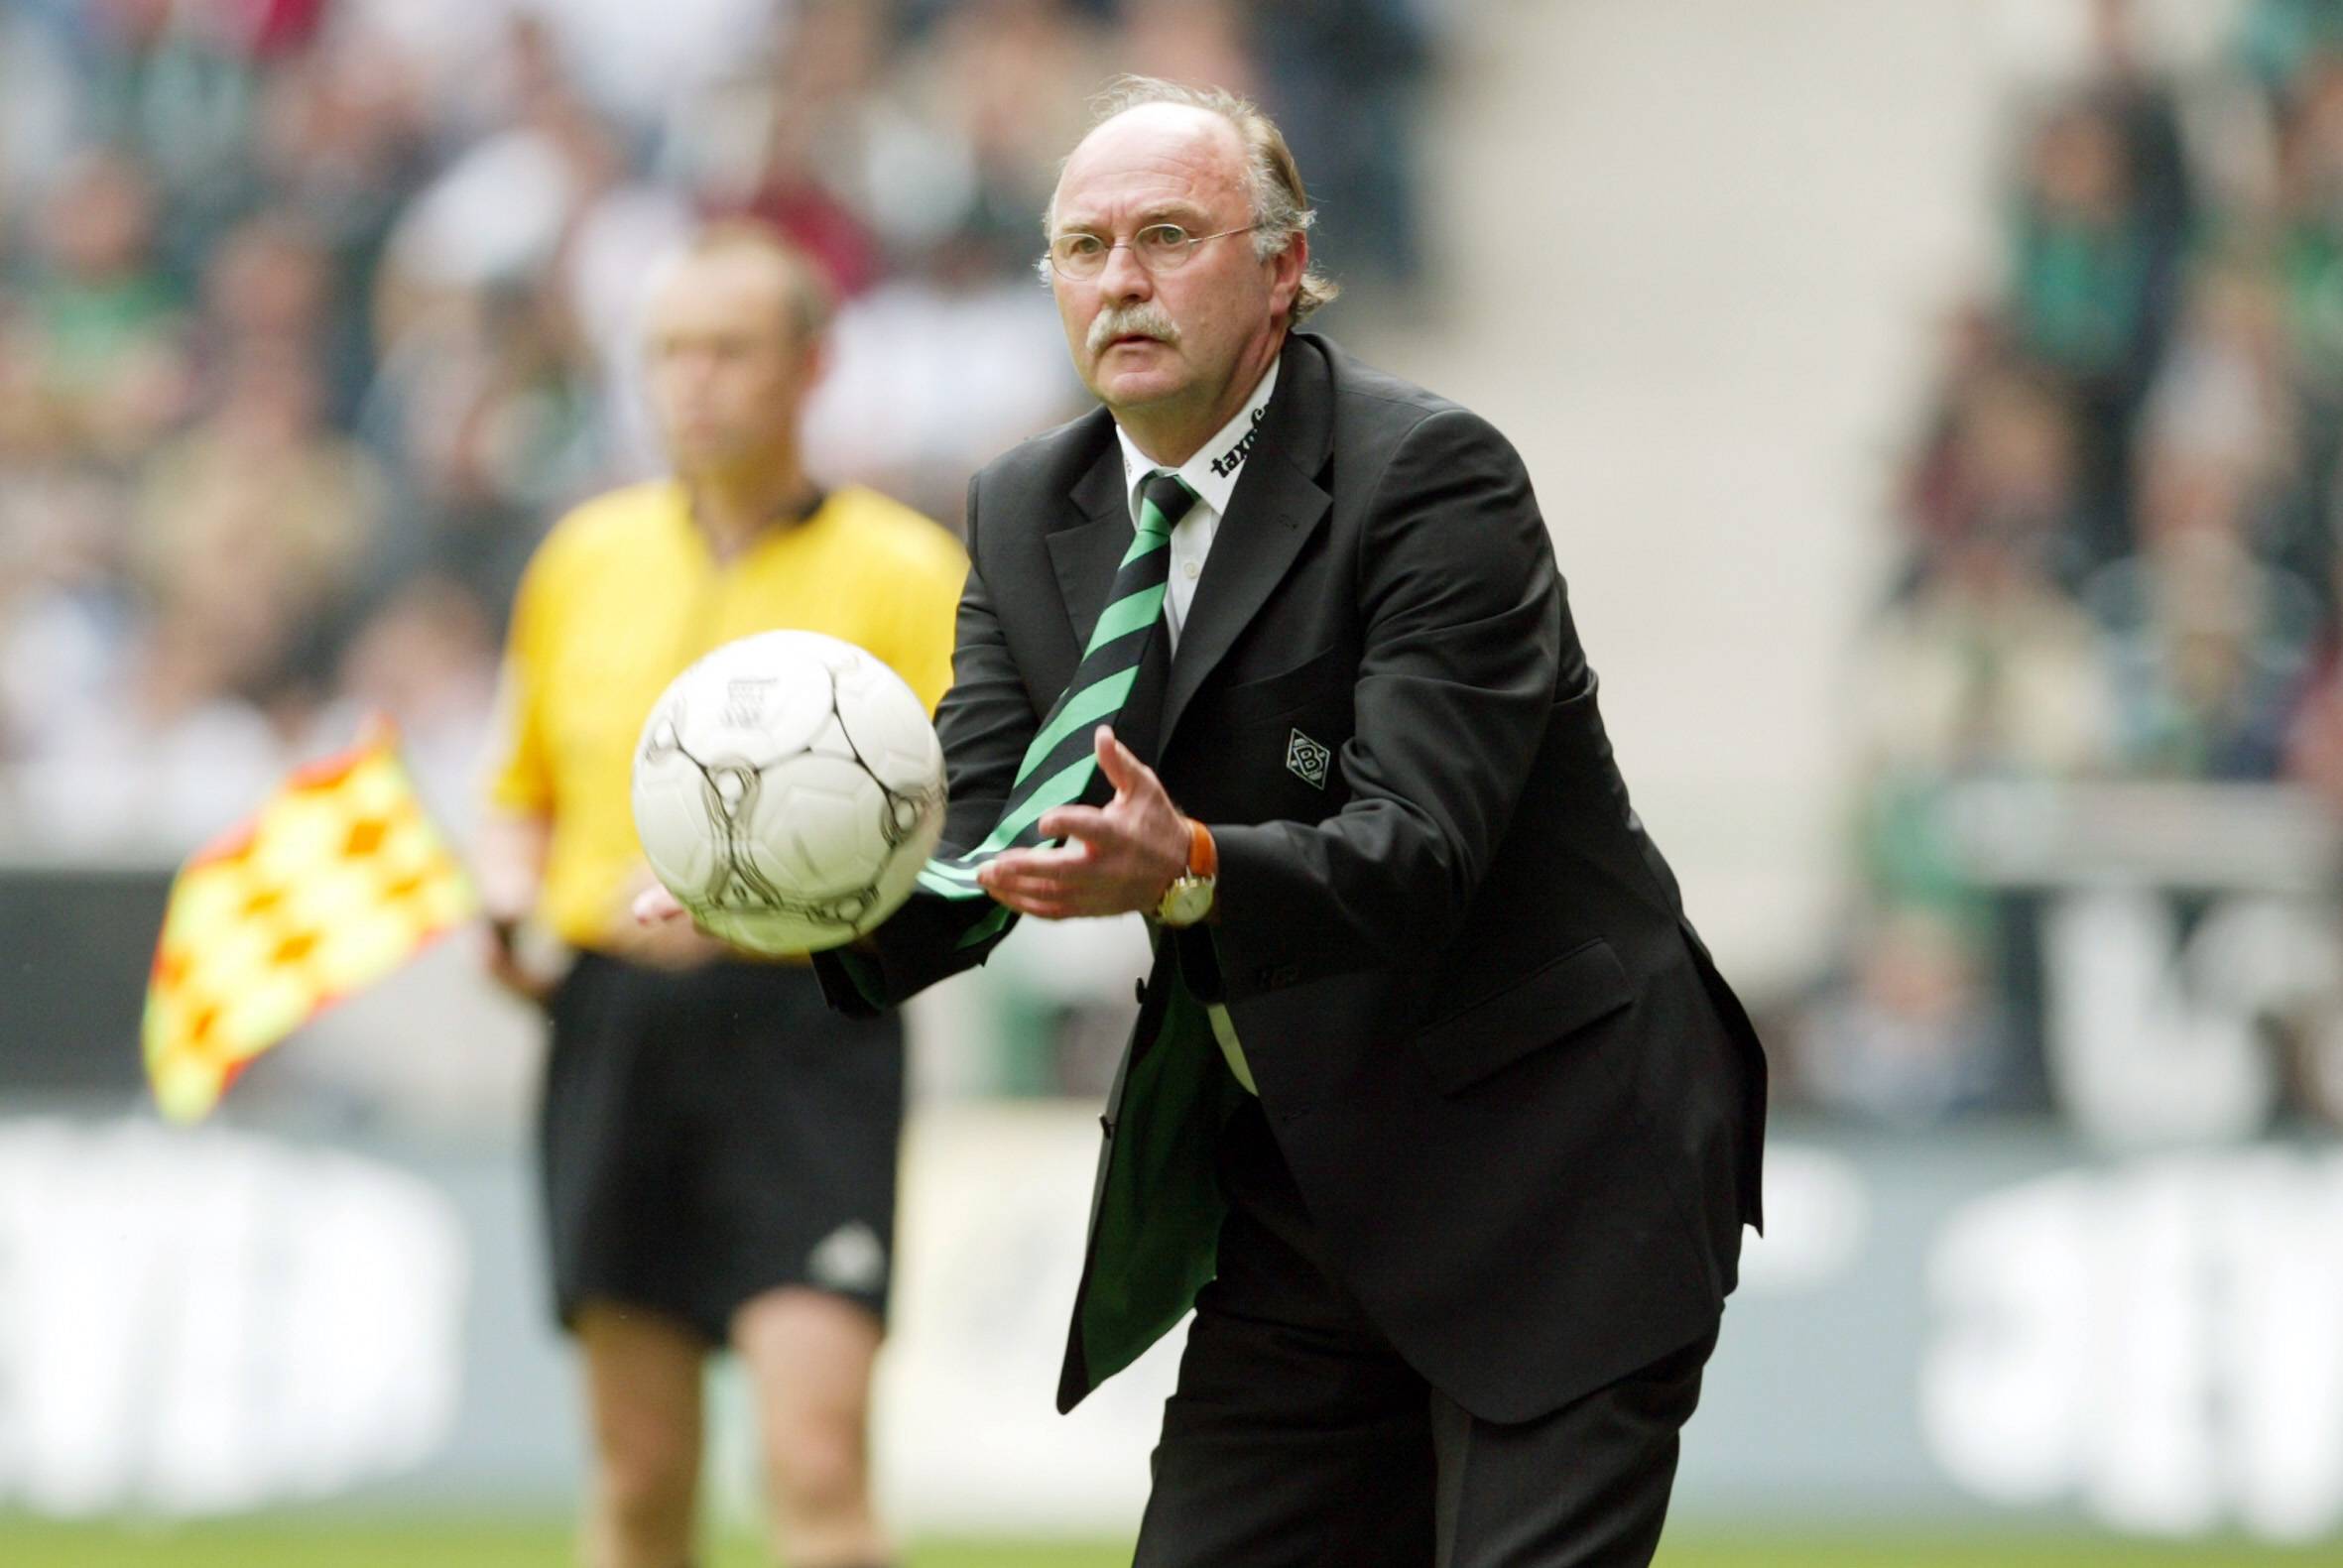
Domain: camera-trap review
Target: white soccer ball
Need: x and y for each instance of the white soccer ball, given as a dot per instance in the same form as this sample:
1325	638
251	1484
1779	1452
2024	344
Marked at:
788	788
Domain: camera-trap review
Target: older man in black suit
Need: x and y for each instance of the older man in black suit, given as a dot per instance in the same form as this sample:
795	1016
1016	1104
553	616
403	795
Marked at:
1436	1111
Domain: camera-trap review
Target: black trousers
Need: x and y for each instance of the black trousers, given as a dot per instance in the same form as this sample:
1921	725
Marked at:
1298	1437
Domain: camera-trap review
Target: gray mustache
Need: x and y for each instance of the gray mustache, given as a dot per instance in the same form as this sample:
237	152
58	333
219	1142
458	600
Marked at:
1145	319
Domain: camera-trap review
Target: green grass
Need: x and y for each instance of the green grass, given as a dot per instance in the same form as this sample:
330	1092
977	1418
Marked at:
1954	1551
298	1542
295	1541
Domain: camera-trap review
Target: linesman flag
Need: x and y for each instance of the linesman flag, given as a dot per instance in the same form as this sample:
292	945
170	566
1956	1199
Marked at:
336	881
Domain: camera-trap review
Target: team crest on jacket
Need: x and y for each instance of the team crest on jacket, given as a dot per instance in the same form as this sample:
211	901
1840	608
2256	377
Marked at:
1307	760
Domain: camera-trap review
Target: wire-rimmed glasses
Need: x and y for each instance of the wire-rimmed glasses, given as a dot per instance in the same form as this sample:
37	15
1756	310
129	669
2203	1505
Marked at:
1159	248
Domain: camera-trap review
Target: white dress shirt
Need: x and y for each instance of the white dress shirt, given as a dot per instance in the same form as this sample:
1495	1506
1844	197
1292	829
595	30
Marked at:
1212	474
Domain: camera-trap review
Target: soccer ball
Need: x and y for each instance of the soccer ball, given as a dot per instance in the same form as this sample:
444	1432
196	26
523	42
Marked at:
788	788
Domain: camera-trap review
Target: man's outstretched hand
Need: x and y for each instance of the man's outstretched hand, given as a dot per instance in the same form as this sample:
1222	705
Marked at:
1116	858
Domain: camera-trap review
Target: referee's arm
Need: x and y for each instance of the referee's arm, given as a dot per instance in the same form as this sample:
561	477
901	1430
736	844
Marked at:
516	826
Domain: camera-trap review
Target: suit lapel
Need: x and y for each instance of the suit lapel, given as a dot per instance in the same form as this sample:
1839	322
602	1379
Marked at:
1088	543
1277	507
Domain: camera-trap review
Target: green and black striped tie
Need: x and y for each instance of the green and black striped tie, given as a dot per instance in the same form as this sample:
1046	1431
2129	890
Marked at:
1061	766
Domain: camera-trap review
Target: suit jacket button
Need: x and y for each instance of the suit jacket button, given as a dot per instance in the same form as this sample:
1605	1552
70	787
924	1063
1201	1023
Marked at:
1106	1125
1138	992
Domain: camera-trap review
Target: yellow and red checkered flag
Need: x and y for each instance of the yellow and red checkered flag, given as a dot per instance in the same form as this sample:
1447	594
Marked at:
336	881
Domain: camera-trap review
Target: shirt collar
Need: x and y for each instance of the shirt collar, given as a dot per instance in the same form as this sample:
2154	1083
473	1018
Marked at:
1213	472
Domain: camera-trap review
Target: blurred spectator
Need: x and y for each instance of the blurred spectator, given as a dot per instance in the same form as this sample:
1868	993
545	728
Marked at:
1934	495
172	84
2210	645
1345	79
2142	105
1990	669
1999	466
425	659
2315	736
485	408
2310	265
990	68
1190	40
98	334
2226	386
65	614
161	757
500	210
815	148
37	104
268	280
342	140
1916	1033
272	280
2087	267
2277	37
261	504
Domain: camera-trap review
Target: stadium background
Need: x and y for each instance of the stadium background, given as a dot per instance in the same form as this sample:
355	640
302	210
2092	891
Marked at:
1936	405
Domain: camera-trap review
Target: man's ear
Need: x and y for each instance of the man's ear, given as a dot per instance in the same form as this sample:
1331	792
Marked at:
1286	268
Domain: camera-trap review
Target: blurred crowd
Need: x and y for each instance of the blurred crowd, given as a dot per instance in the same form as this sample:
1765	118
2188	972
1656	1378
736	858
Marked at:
2118	524
313	314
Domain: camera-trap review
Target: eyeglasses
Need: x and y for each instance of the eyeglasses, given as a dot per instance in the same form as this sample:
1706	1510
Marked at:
1159	248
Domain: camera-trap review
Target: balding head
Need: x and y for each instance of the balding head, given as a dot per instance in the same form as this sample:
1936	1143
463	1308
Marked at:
1178	140
1174	298
1274	192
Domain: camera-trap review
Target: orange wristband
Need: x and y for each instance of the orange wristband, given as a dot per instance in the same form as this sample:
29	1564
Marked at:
1204	856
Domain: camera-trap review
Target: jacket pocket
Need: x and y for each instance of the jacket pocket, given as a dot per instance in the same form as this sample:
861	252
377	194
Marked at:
1287	693
1582	986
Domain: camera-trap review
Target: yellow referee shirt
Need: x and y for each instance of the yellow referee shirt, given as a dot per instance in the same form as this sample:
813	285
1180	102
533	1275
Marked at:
624	594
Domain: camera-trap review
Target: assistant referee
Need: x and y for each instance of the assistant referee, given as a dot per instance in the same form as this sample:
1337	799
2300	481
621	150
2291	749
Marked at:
718	1148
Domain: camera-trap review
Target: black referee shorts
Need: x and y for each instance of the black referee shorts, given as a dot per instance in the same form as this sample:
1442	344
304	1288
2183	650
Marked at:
709	1134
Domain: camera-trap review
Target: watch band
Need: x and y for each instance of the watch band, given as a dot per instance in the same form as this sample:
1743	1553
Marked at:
1204	856
1190	896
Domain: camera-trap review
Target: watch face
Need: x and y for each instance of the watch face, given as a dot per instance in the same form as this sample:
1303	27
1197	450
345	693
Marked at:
1187	902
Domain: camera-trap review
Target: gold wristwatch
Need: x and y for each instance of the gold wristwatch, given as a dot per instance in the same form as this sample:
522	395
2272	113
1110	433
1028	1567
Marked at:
1189	898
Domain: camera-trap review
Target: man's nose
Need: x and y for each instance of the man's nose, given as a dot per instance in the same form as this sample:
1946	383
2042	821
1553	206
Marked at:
1124	279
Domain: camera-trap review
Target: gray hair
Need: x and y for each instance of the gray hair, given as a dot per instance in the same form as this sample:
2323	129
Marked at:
1273	181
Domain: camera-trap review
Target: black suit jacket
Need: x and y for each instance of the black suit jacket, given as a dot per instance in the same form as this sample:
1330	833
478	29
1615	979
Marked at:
1523	1107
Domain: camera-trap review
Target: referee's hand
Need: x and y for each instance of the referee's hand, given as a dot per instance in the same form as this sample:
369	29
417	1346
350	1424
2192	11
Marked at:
663	942
654	906
501	956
